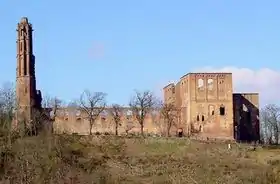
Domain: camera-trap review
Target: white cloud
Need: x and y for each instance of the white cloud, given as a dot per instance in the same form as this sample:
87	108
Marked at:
264	81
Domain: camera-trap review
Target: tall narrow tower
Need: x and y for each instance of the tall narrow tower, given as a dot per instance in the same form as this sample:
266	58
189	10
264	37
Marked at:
28	98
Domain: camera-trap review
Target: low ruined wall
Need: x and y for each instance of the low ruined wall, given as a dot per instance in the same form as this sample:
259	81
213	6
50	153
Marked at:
72	120
83	127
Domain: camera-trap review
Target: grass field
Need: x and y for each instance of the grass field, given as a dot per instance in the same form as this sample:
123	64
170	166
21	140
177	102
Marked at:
108	159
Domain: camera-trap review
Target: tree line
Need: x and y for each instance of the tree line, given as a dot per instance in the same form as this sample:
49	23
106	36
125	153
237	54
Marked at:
270	124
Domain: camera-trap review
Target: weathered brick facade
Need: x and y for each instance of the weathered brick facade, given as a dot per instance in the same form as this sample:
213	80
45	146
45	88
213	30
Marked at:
209	108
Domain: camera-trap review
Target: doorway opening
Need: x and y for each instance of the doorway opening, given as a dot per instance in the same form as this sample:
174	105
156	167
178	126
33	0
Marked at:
180	132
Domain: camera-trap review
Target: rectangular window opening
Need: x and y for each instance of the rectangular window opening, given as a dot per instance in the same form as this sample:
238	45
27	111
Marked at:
222	111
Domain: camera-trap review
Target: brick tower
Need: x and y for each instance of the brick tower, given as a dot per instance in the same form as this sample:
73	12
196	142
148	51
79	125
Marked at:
28	98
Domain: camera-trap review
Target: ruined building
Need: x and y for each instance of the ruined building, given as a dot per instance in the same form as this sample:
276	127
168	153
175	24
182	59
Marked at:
206	102
28	97
67	119
209	108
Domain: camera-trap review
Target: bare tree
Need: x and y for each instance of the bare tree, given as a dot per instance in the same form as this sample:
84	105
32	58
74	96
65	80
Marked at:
116	112
141	104
169	113
52	103
7	105
92	103
270	118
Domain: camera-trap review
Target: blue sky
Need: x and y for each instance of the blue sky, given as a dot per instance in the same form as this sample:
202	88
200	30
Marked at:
118	46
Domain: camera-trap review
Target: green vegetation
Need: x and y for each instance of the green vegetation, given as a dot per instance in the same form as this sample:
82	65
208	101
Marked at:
110	159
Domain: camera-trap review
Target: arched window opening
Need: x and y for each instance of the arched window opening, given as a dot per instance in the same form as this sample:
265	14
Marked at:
202	118
210	84
222	110
78	113
200	83
197	118
128	114
211	109
245	108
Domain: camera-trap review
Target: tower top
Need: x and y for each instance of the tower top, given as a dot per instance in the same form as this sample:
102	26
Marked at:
24	20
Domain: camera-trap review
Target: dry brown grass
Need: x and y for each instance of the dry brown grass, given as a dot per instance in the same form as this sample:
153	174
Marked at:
75	159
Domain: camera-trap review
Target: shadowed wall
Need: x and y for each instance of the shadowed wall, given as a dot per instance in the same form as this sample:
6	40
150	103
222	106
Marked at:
246	116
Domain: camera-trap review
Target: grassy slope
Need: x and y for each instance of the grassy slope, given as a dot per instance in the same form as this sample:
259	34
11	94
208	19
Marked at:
67	159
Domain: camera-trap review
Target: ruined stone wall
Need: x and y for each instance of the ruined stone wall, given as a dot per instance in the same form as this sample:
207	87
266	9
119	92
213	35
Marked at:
169	93
72	120
205	102
184	104
246	116
178	104
173	95
210	99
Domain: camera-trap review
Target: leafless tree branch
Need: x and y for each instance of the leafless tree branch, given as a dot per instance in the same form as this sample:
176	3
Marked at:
169	113
92	103
116	112
141	104
7	104
270	118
